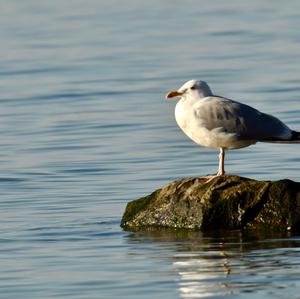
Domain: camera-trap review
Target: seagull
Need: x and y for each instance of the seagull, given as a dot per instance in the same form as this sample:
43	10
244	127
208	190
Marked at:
220	123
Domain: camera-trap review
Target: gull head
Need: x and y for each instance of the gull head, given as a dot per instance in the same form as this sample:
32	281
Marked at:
192	88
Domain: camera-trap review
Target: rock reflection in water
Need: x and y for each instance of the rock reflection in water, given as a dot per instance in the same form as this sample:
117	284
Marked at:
227	263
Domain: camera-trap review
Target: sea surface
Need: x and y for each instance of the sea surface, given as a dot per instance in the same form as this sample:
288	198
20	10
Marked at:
84	129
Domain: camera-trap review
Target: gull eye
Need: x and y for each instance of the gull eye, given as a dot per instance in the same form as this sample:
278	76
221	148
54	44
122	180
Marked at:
193	87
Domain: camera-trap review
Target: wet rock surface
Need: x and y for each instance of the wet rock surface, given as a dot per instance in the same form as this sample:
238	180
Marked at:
227	202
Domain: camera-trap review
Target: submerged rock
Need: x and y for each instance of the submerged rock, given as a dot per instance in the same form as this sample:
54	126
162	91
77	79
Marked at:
227	202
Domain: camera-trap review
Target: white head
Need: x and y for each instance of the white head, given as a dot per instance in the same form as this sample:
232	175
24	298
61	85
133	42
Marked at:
192	88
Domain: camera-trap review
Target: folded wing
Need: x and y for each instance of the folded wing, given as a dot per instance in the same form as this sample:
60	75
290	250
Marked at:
242	120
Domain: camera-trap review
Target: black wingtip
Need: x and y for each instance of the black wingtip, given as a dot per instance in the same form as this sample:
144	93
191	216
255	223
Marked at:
295	135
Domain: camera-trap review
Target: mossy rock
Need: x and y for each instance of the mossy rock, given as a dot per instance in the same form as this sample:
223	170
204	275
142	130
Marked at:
227	202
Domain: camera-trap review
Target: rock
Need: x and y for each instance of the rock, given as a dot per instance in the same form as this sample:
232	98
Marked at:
227	202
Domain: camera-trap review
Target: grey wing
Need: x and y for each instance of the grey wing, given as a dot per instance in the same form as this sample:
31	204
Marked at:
242	120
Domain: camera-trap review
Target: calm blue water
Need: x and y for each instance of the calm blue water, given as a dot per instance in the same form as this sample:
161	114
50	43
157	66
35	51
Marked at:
84	129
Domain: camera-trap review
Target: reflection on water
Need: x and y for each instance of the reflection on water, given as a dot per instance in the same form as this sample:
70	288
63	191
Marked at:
222	264
202	277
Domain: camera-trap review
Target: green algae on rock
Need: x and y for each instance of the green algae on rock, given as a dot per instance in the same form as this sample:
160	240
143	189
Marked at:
227	202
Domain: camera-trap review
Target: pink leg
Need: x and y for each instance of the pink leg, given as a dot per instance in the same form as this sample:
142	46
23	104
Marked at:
221	170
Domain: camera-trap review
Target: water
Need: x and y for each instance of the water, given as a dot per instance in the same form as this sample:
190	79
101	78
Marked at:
84	129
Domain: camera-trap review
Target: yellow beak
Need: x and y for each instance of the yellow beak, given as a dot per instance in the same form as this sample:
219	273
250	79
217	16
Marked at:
173	94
